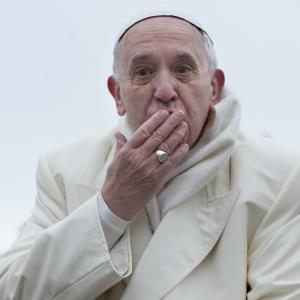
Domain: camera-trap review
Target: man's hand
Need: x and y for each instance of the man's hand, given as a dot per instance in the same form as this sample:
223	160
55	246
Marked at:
135	174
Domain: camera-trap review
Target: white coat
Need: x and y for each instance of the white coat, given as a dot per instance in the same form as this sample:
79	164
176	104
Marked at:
238	238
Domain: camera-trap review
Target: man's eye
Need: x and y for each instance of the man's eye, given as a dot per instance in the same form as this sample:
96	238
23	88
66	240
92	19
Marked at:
183	69
142	72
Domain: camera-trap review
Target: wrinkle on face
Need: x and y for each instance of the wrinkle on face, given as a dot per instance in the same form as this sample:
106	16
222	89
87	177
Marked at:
159	45
148	36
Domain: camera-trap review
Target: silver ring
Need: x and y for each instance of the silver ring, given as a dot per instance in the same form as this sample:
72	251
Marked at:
162	156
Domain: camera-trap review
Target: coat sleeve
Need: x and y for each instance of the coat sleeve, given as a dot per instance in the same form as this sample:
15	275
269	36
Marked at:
60	256
274	254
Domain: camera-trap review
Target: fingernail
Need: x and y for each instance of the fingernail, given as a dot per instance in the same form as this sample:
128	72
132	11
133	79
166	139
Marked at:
180	113
164	113
184	125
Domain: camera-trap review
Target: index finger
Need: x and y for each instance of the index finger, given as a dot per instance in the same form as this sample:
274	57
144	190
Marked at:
147	128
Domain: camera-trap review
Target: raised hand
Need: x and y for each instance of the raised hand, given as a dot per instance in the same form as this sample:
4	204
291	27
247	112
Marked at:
135	174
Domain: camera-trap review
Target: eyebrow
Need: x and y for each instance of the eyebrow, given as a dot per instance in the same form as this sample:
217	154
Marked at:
139	58
186	57
146	57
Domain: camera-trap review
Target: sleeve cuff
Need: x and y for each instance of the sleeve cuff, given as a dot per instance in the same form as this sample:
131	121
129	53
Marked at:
113	226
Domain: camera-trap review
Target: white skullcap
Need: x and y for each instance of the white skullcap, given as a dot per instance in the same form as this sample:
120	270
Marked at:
160	13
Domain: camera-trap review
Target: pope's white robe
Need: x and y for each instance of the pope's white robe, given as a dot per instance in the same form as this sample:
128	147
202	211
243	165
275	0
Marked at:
238	237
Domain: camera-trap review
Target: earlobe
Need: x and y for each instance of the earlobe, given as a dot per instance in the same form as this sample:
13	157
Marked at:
217	82
114	89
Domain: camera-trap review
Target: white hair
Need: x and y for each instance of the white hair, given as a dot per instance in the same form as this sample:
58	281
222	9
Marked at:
207	43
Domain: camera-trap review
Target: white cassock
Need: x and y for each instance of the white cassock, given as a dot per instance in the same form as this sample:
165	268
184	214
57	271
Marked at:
225	226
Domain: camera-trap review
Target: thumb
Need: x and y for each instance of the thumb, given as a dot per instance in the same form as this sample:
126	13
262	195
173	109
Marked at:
120	141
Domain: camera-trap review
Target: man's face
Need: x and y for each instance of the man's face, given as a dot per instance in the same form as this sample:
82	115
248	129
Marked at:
162	65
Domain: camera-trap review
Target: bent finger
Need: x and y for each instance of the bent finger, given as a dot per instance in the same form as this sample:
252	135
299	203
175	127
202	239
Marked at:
146	129
178	136
163	132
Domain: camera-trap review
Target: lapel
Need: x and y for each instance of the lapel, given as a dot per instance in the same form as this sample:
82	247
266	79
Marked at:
183	239
140	236
181	242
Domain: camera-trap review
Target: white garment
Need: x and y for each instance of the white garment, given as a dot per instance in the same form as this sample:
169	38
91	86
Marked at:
237	238
201	164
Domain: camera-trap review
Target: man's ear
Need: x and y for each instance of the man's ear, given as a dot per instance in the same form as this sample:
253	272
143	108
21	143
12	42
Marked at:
217	83
114	89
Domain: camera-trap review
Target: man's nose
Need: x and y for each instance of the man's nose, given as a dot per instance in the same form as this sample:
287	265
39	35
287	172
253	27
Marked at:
165	88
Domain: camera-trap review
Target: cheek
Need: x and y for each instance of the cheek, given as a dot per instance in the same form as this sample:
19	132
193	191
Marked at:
136	102
198	102
199	114
134	95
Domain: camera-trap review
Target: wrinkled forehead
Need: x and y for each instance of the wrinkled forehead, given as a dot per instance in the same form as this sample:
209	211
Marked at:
132	26
163	31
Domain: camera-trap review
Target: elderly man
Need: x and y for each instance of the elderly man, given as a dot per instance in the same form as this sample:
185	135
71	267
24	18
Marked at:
176	203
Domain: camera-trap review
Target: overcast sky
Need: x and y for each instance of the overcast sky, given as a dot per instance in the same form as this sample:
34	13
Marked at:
55	57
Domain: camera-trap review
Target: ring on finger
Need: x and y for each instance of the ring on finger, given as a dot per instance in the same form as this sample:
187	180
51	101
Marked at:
161	156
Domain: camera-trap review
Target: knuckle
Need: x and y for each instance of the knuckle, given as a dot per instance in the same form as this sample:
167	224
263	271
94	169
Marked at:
179	134
143	133
129	157
158	136
177	116
125	153
183	130
177	156
147	175
173	160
